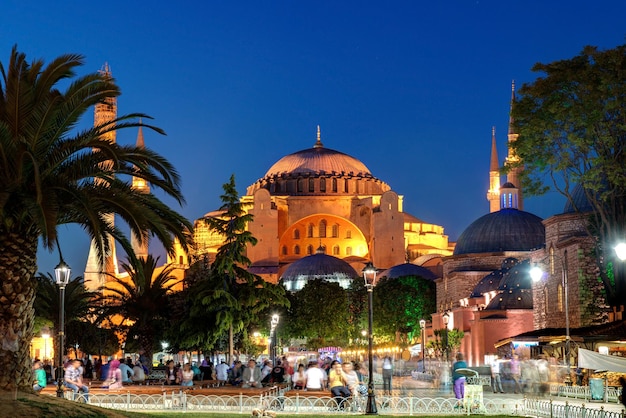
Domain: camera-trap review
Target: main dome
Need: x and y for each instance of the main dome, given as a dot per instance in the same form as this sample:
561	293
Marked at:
504	230
319	171
317	266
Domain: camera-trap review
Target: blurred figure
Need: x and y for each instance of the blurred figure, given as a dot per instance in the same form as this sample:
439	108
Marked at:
496	380
39	375
458	380
387	374
516	373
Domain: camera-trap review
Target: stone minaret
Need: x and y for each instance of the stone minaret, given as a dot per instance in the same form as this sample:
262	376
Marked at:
96	273
513	176
493	194
140	244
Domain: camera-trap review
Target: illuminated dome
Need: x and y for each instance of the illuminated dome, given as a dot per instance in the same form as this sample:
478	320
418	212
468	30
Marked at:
408	269
319	171
317	266
504	230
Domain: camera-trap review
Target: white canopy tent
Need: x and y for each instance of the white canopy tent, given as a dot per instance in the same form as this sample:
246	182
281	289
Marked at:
591	360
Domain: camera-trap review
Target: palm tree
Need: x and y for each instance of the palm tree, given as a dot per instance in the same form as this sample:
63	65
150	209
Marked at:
78	304
51	175
141	300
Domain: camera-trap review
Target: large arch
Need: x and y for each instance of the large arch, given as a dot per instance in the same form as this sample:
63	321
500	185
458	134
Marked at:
348	236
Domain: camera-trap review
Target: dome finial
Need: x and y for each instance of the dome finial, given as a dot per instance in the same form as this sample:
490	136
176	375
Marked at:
318	143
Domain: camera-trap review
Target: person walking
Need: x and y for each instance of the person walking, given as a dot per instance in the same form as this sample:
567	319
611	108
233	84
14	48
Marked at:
458	380
496	381
387	373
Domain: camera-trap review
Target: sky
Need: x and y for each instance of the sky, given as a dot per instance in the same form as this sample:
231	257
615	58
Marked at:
410	88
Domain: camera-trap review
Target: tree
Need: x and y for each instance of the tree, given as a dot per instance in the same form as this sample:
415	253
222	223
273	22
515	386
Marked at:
229	297
140	302
572	132
320	313
78	305
399	304
47	179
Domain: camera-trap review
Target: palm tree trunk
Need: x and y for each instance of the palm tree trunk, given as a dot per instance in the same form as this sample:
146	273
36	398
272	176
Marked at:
18	264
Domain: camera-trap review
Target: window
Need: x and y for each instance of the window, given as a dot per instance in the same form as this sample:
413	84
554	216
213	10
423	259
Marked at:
545	300
309	231
296	234
559	296
336	250
296	250
300	185
348	234
311	185
348	250
284	250
345	186
322	229
309	250
334	185
322	184
335	231
551	260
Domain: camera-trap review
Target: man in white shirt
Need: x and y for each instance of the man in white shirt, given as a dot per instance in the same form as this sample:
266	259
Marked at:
314	377
221	372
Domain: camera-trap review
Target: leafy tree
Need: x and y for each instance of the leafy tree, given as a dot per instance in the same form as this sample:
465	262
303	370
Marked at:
140	300
438	344
47	179
229	297
399	304
78	304
320	313
572	131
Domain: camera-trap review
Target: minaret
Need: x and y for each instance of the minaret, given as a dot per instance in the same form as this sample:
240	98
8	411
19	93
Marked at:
96	273
513	175
493	194
140	244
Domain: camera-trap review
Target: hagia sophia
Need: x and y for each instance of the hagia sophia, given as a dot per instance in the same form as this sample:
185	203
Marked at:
321	213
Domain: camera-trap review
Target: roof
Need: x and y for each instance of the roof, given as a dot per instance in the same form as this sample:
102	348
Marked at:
318	266
318	160
579	202
512	299
504	230
611	331
406	270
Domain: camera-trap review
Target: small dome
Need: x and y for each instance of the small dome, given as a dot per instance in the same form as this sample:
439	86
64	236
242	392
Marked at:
513	299
408	269
579	202
517	277
504	230
489	283
317	266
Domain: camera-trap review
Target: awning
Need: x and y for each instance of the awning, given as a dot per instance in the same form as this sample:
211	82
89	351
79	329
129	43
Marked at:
588	359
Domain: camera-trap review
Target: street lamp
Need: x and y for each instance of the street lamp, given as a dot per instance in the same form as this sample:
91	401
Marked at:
423	330
273	339
536	274
446	320
62	272
620	251
369	275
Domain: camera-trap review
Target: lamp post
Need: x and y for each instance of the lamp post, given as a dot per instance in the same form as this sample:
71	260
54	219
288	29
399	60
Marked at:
369	275
423	330
536	273
446	320
620	251
62	272
273	325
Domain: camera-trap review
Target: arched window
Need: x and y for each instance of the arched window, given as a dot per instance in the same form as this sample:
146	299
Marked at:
296	234
309	250
322	184
348	234
551	260
296	250
309	231
180	259
348	250
311	185
345	186
300	185
559	296
284	250
545	299
334	184
335	231
336	250
322	228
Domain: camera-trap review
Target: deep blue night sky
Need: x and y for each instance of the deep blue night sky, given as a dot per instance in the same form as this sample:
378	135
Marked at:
410	88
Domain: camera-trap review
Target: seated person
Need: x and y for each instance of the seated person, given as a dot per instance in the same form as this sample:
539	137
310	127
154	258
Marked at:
40	377
277	375
186	375
251	376
73	379
127	371
139	375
